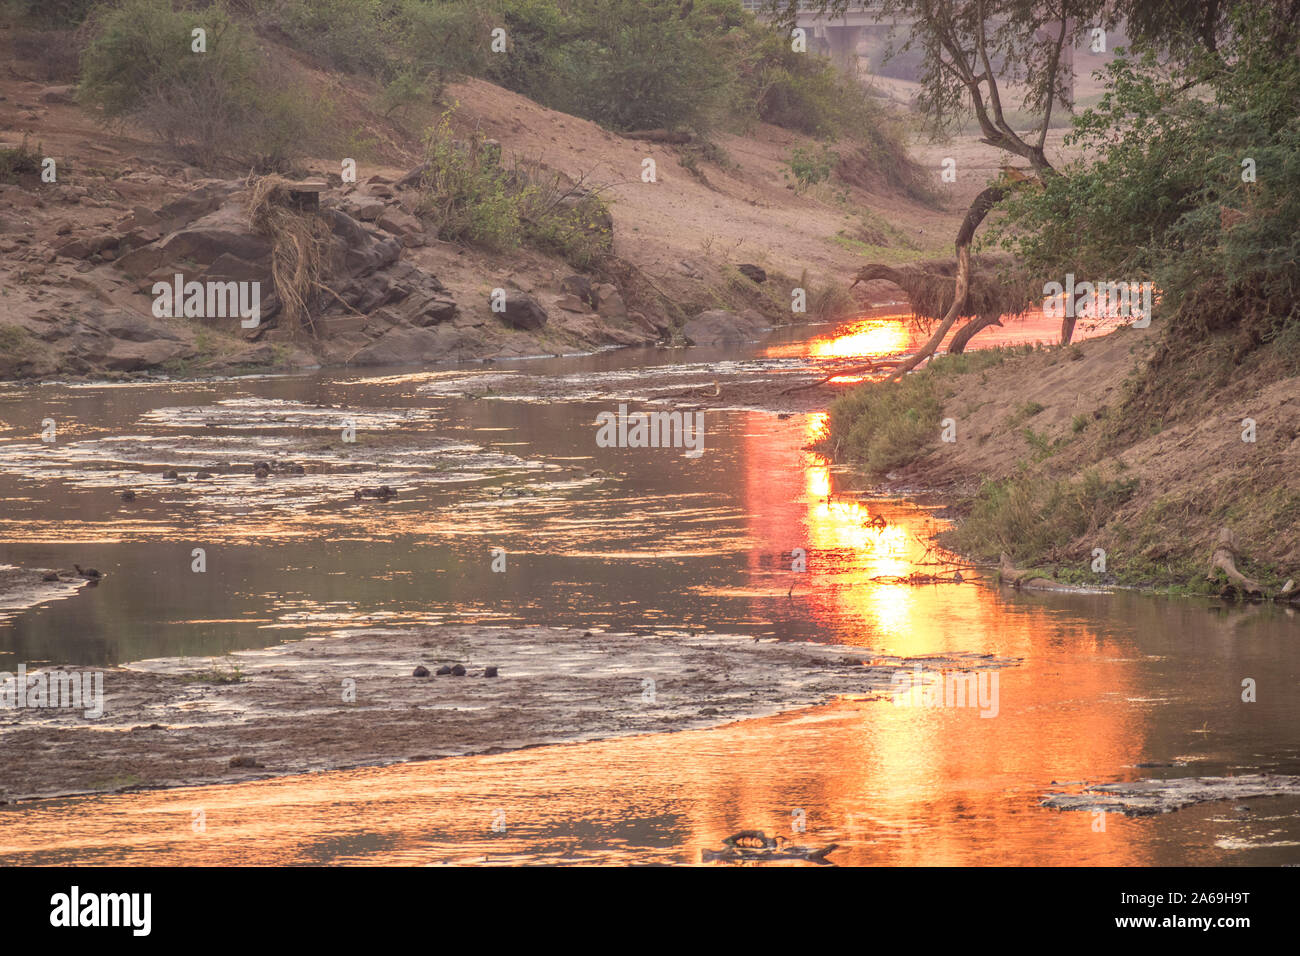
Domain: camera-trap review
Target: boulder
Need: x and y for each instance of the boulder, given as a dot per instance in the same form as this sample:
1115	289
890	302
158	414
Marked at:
140	236
206	243
134	356
61	95
84	248
609	302
406	346
226	268
130	327
400	223
263	354
751	271
522	311
579	286
721	327
658	325
357	251
143	262
196	204
571	303
142	216
428	308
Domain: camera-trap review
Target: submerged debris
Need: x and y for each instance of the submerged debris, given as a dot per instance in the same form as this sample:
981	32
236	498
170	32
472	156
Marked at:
1149	797
754	846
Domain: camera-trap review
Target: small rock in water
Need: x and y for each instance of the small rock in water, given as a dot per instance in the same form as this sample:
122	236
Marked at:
203	474
172	475
420	671
458	670
444	670
490	672
50	576
244	762
128	496
261	473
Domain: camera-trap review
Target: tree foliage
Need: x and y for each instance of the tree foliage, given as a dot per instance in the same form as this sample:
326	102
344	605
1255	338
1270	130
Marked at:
1165	194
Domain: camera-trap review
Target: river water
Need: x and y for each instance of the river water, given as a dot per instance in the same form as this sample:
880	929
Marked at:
1108	687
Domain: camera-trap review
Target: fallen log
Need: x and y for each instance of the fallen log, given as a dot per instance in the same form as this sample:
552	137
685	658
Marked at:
851	370
1224	558
1018	578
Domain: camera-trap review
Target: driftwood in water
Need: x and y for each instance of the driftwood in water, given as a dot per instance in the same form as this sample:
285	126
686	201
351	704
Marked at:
1027	579
756	846
1224	559
866	369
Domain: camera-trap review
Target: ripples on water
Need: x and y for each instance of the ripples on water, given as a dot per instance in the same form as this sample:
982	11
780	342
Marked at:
628	539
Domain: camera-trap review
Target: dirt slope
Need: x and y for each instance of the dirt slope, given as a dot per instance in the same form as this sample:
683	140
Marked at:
684	233
1056	413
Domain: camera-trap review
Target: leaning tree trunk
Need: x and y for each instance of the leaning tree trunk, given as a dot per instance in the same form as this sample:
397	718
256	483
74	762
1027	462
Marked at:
1067	329
967	332
984	202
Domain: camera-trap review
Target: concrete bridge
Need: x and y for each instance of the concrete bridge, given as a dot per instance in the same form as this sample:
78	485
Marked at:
837	37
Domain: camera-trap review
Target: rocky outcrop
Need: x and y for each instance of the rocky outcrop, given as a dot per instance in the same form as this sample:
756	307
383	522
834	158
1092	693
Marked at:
404	346
87	306
522	311
721	327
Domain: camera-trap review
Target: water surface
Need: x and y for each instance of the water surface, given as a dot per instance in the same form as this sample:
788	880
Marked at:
503	456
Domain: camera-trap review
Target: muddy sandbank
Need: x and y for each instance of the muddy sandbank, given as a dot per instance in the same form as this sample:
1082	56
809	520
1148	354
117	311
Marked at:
351	699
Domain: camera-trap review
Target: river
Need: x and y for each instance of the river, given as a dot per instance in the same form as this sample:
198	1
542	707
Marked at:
1109	687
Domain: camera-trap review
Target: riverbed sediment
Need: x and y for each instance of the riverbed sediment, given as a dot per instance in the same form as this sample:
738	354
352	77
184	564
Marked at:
351	699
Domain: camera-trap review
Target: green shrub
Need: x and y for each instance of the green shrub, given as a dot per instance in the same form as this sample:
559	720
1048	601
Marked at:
886	424
465	193
406	90
1035	520
469	195
567	221
1161	195
19	161
809	167
446	38
639	64
48	13
222	104
354	36
537	31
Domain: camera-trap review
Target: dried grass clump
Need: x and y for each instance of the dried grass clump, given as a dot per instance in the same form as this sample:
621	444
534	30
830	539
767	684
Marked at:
995	289
299	241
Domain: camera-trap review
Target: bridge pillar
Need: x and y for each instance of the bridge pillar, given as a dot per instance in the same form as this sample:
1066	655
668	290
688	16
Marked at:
843	42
